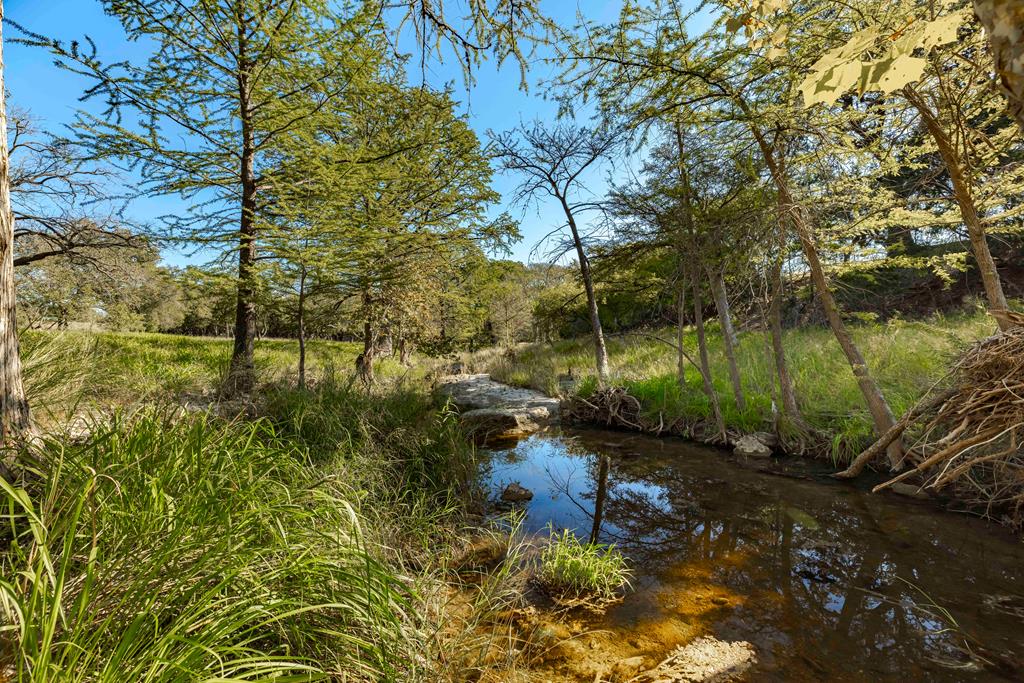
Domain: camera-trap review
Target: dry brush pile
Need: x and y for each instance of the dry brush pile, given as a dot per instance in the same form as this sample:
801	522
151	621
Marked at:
616	407
968	436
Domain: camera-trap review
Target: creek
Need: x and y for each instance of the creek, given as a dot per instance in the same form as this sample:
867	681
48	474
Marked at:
824	579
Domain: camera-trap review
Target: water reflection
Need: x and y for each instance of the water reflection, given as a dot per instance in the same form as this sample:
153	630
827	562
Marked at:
828	582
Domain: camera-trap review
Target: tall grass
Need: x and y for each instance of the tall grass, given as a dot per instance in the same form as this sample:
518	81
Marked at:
181	548
168	550
571	567
906	358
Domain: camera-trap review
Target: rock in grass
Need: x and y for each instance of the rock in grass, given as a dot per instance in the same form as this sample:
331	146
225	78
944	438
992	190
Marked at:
752	447
514	493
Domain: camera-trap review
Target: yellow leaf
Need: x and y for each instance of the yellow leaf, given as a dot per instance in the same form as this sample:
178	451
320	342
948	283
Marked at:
942	30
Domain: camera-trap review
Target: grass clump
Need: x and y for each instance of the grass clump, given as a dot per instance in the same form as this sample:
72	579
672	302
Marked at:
571	568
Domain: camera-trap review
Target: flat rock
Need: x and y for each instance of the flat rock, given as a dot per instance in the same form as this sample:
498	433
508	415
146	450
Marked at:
752	447
492	410
706	660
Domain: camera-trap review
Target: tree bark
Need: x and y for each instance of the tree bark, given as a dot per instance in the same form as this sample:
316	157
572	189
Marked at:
1003	20
968	211
600	350
243	371
721	297
302	328
881	413
681	332
15	421
705	363
364	364
790	406
403	351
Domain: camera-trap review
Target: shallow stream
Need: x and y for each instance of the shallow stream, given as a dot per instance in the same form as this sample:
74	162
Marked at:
827	581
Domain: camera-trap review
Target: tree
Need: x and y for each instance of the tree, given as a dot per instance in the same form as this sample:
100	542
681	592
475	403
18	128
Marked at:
226	79
61	202
553	161
941	86
14	412
646	80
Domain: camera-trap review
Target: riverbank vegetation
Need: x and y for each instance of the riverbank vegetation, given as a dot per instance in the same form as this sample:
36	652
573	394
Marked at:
810	215
910	357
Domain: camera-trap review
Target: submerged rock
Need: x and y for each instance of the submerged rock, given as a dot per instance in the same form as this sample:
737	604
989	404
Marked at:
514	493
752	447
626	669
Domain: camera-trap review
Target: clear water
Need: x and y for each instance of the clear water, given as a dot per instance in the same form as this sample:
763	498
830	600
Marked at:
826	580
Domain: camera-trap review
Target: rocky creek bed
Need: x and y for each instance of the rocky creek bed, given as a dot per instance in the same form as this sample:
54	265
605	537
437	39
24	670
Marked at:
747	568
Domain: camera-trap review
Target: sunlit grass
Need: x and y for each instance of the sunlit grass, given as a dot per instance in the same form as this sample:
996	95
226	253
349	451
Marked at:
170	546
569	567
906	357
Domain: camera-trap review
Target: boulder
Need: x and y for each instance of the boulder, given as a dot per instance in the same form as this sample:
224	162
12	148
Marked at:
485	424
767	438
515	493
752	447
909	490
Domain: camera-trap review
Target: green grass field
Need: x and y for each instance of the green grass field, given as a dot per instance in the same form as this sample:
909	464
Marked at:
67	372
906	357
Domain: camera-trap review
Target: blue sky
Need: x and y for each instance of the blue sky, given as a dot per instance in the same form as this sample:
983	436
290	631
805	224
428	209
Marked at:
495	101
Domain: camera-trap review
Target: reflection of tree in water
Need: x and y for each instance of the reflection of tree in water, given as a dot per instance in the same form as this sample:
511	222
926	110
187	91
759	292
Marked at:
849	590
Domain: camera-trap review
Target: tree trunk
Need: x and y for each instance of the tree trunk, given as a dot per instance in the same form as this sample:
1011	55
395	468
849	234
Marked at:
14	414
721	298
681	332
968	210
403	351
705	363
302	328
1003	20
600	350
881	413
364	364
789	403
243	369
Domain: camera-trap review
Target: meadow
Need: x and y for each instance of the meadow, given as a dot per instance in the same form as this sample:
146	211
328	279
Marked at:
906	357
